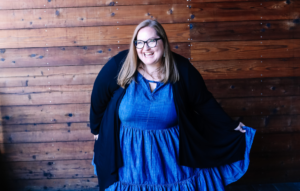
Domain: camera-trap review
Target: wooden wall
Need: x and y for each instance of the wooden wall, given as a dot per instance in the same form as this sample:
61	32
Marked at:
248	52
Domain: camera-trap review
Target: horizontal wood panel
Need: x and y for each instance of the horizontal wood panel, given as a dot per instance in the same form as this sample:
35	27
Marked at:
61	56
41	95
83	168
83	184
244	30
82	36
221	88
48	151
133	15
63	113
270	176
45	114
23	4
51	169
49	71
241	69
265	146
241	11
286	48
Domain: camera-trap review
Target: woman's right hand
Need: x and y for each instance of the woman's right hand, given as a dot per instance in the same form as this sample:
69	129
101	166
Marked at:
95	137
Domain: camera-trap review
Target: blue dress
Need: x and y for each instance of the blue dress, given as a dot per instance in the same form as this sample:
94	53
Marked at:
149	138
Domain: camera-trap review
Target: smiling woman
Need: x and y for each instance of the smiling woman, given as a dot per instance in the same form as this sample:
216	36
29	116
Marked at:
159	127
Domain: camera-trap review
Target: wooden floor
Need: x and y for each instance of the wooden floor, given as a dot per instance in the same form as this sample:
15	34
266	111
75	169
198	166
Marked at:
292	186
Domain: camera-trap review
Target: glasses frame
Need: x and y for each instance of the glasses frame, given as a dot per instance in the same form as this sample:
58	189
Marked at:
156	39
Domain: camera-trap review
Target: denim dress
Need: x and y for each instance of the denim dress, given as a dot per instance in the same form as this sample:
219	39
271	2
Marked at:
149	140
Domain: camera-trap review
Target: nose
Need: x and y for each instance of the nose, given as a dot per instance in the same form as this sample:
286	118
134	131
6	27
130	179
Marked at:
146	47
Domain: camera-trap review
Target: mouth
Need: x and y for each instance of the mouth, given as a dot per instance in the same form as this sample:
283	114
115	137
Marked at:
148	54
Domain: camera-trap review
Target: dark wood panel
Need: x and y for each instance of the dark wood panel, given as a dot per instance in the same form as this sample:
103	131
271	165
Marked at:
82	184
286	48
82	36
251	68
23	4
254	87
48	151
51	169
78	55
242	11
244	30
287	105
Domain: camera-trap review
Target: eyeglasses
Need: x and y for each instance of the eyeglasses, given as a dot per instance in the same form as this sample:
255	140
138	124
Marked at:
151	43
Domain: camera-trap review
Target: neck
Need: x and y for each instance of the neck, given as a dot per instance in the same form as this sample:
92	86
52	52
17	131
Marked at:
151	72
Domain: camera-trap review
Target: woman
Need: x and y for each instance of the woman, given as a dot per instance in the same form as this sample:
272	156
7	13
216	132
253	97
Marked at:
158	126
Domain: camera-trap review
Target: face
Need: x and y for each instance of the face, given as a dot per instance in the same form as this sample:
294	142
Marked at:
150	56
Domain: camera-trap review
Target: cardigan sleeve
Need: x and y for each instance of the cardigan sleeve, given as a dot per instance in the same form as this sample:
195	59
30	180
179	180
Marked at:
103	89
205	104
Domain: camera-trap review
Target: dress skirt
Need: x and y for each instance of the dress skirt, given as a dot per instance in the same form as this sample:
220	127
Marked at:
150	147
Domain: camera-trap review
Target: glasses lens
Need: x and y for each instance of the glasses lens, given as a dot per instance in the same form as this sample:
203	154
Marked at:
151	43
139	44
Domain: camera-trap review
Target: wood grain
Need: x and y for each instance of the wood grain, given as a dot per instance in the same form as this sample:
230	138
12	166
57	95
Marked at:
23	4
244	30
82	36
286	48
251	68
78	55
63	113
48	151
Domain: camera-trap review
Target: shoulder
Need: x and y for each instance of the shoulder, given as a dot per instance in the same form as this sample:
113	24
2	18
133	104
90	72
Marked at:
185	68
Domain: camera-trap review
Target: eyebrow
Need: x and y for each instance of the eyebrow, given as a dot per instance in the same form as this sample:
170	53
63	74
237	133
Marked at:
149	38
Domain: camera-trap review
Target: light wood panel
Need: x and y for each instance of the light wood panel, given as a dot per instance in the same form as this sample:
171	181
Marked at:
132	15
78	55
48	151
82	36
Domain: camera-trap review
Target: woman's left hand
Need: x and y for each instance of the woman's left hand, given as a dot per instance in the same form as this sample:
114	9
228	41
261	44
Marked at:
239	128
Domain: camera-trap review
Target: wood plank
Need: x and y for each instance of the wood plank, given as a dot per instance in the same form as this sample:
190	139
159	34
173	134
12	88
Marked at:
241	69
40	95
286	48
244	30
49	71
78	55
266	87
242	11
47	136
83	184
92	16
56	80
82	36
133	15
23	4
48	151
50	169
45	114
63	113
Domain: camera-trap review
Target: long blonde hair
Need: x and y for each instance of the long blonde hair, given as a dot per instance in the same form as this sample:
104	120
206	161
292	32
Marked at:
129	68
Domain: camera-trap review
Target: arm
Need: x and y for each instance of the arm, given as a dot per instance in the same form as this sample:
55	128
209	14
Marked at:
205	104
104	86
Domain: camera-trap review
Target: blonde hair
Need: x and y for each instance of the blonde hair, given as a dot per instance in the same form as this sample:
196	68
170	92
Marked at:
129	68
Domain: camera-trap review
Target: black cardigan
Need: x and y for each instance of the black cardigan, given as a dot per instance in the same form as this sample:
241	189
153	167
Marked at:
206	133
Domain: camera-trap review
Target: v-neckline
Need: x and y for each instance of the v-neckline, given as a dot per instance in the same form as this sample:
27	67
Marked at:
147	83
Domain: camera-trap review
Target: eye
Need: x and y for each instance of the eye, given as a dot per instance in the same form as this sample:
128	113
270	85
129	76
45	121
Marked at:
139	42
151	40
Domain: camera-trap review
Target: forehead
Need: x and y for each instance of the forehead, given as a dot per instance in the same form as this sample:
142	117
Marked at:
146	33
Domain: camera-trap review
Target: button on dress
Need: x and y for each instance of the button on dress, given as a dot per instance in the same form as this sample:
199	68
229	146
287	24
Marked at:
149	141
